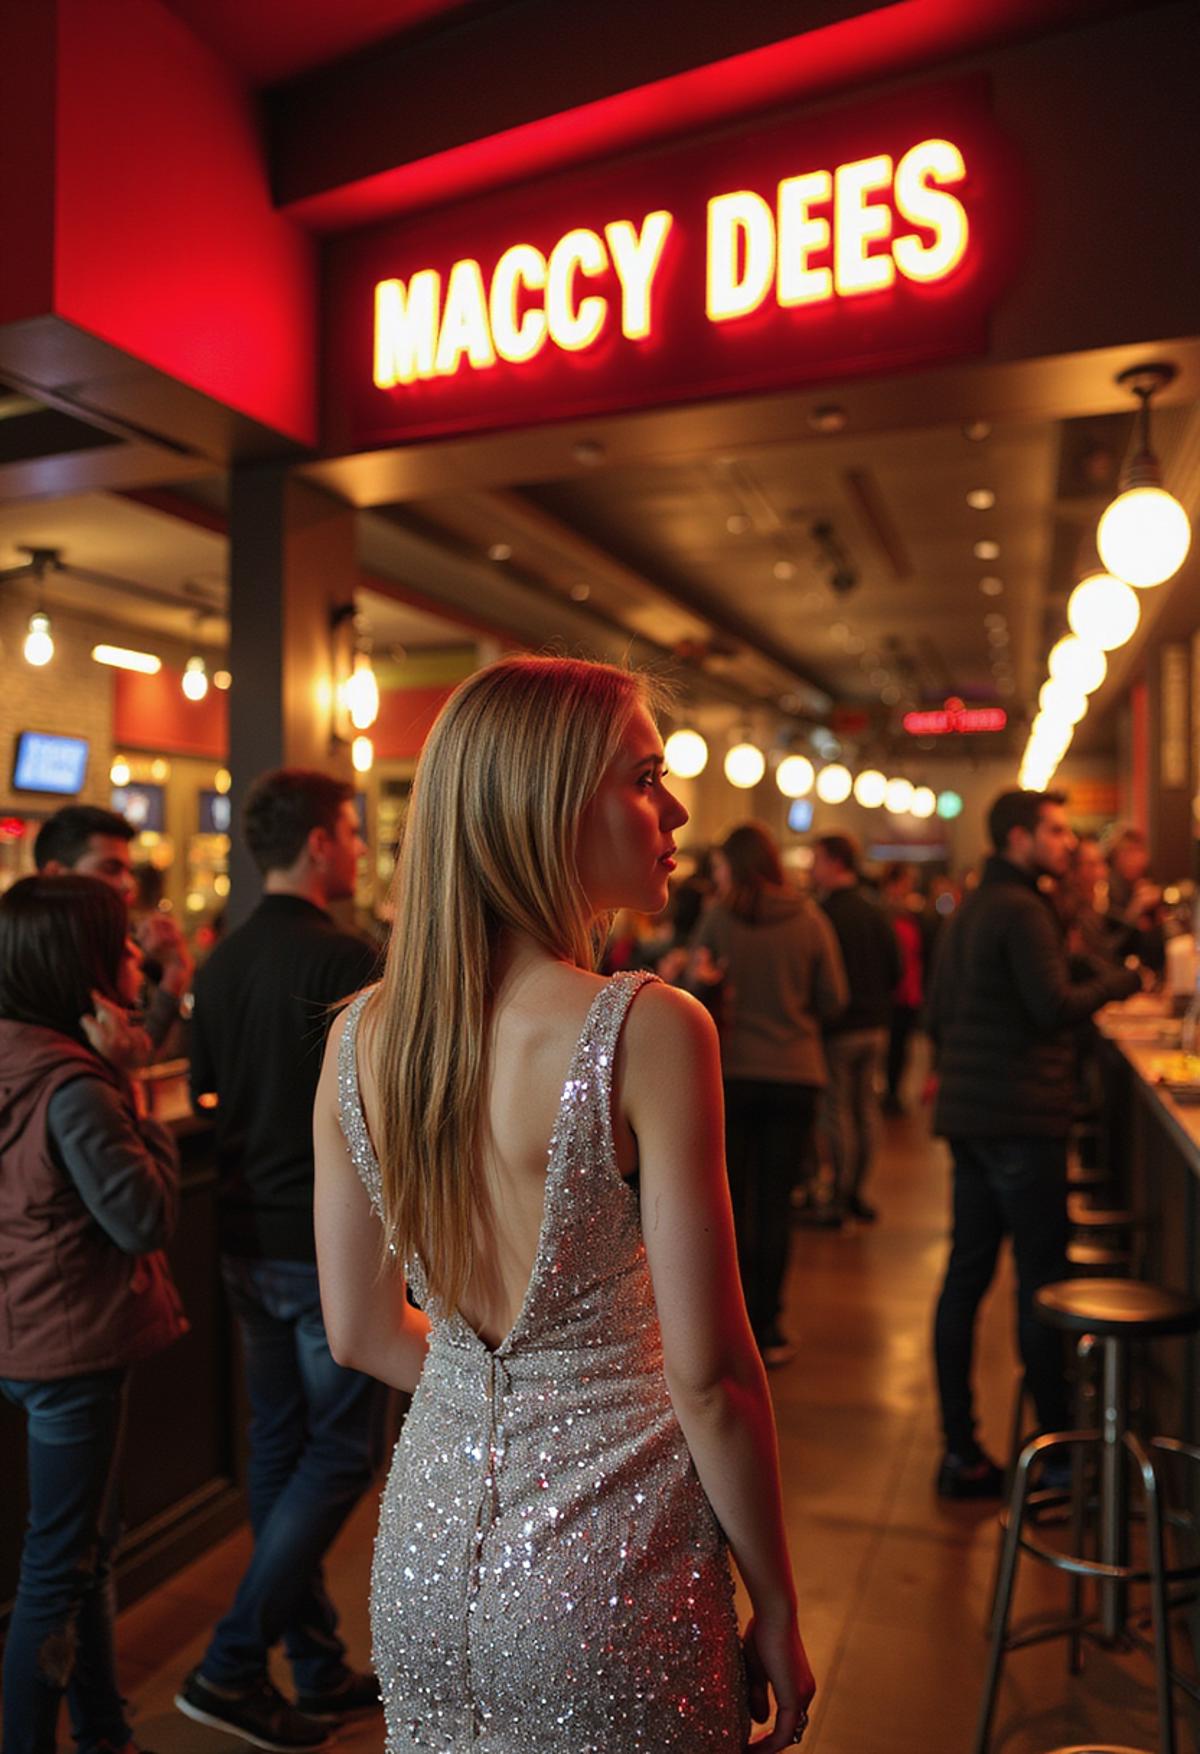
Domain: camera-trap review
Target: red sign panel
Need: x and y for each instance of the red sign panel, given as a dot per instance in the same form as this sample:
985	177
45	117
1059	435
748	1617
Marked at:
952	720
856	240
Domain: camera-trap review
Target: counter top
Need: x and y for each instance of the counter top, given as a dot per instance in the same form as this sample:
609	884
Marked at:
1148	1038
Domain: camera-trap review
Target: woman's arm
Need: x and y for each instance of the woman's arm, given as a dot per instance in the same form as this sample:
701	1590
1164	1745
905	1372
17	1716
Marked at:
125	1170
369	1322
670	1075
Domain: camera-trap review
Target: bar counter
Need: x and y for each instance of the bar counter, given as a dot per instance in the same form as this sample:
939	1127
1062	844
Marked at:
185	1441
1150	1141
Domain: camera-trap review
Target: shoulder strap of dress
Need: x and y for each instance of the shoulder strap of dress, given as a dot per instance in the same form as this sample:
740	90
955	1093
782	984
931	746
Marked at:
604	1027
350	1109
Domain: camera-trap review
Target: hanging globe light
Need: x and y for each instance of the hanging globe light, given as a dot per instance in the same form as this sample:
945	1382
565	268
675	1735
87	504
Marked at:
1081	667
362	754
870	788
39	642
1144	535
1062	704
949	806
834	783
898	796
745	765
195	679
794	776
924	802
686	754
1103	611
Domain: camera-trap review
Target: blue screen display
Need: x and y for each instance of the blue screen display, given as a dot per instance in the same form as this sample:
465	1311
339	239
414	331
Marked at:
143	807
216	812
46	763
800	815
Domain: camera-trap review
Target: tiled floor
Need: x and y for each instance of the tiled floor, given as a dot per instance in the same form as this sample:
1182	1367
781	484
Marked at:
894	1583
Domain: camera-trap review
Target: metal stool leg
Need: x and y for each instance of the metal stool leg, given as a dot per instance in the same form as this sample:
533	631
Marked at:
1005	1582
1158	1594
1114	1528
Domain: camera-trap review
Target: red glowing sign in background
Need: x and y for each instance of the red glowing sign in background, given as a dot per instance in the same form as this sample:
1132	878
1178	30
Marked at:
955	719
615	353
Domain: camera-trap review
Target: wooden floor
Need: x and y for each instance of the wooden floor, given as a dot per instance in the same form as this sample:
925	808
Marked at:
894	1584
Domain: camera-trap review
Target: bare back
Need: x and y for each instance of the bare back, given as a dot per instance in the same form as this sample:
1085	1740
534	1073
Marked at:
534	1030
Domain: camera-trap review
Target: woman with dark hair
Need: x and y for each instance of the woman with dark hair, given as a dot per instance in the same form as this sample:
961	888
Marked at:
88	1198
782	978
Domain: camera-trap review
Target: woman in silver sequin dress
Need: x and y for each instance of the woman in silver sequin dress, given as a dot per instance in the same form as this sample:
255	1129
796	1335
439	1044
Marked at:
540	1159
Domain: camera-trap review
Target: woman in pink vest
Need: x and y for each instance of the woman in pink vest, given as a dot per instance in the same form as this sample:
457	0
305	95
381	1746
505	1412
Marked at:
88	1198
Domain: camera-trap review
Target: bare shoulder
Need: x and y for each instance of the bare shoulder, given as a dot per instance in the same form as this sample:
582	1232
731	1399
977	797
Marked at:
669	1024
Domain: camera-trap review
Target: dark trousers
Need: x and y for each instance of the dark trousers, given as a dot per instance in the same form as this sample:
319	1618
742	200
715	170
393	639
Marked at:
768	1128
904	1021
316	1441
1003	1187
60	1637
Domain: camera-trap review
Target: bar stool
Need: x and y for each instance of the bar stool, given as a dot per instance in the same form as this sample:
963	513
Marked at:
1114	1312
1092	1260
1097	1748
1082	1176
1084	1217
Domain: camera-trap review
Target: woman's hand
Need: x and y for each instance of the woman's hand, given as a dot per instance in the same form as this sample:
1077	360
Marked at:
113	1036
776	1663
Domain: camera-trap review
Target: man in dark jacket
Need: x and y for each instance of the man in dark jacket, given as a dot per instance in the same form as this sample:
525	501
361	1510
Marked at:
855	1040
1003	1010
264	1000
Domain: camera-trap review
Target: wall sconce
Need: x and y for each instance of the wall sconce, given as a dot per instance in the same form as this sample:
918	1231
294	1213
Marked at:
356	687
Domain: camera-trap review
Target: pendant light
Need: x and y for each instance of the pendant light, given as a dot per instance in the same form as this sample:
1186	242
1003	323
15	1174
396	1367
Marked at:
1144	535
745	765
39	642
834	783
1103	611
686	754
794	776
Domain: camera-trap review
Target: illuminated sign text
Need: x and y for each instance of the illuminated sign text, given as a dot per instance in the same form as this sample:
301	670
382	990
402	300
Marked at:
829	234
955	718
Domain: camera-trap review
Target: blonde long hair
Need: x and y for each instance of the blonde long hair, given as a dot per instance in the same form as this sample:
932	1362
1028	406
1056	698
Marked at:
511	763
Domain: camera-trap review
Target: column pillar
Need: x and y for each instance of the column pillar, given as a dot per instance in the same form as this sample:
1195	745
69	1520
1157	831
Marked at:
292	563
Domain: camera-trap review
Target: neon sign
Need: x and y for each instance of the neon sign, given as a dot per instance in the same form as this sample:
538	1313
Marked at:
955	719
815	247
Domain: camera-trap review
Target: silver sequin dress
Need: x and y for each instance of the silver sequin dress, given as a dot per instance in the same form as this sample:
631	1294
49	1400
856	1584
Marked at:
549	1576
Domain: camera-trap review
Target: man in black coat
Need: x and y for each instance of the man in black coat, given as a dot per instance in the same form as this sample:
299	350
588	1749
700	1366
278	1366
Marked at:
1003	1010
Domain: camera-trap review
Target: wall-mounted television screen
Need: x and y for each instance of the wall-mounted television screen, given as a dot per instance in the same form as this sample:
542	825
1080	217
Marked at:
46	763
216	812
143	807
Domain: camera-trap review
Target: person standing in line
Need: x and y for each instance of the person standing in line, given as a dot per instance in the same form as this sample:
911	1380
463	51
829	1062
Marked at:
263	1004
93	842
1003	1013
909	995
537	1151
89	1197
855	1040
782	979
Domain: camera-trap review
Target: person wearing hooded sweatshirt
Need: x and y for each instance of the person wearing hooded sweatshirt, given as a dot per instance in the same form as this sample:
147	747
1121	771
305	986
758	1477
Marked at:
781	974
88	1199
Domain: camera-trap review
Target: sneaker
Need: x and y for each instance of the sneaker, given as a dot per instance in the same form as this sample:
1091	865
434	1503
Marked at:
259	1714
353	1694
859	1209
976	1476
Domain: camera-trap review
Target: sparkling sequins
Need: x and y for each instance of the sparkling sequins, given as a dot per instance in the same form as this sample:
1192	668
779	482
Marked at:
549	1577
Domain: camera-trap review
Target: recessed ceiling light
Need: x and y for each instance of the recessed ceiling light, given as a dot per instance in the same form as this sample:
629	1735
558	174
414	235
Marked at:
981	499
854	644
828	417
987	550
976	430
499	551
889	694
581	592
839	630
995	618
1005	684
878	678
991	586
589	452
784	569
737	524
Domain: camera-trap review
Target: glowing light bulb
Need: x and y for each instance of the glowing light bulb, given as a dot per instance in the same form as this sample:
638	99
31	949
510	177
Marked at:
870	788
1062	704
834	783
745	765
361	693
222	679
1144	536
794	776
1103	611
1081	667
195	679
686	753
362	754
39	645
222	780
118	773
898	796
924	802
949	806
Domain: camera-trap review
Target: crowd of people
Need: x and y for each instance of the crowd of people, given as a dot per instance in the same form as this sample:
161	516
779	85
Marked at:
599	1267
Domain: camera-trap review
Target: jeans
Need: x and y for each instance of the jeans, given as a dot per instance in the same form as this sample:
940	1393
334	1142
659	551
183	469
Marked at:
1018	1188
767	1127
316	1441
60	1638
852	1106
